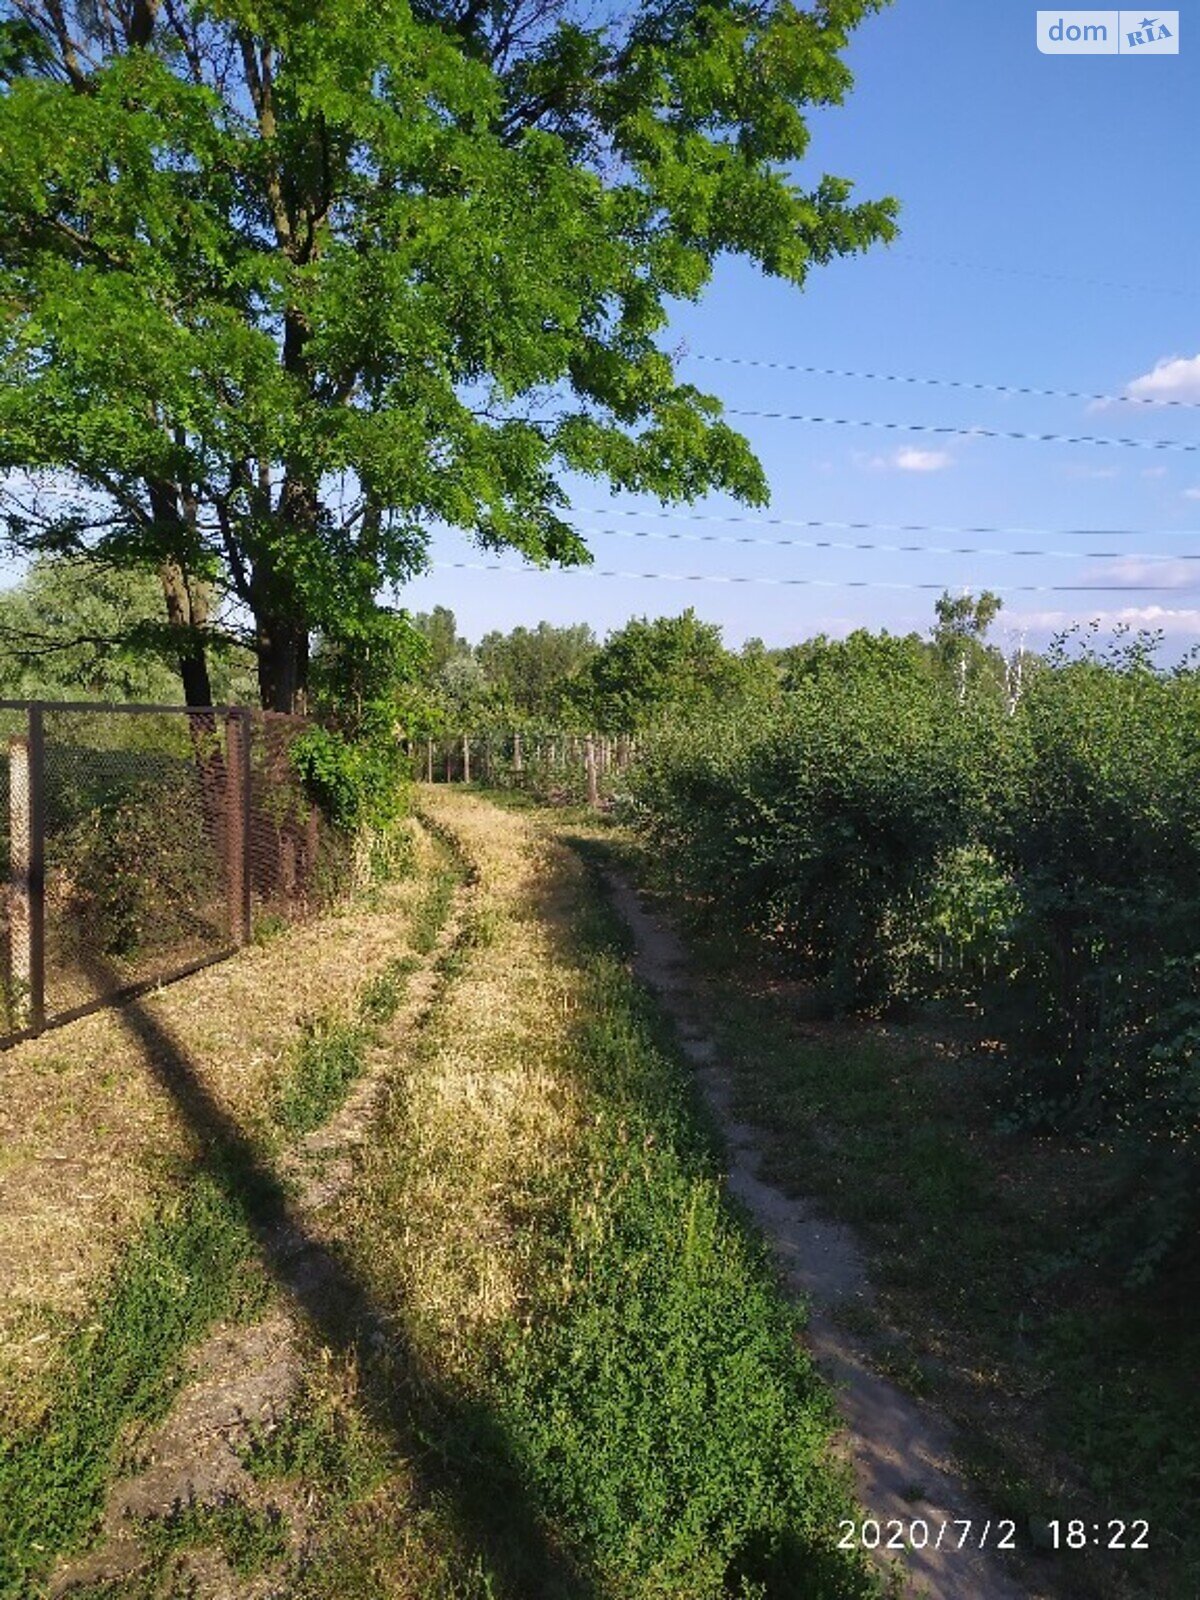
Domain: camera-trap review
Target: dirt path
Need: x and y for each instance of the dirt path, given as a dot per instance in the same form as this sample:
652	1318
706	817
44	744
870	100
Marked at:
902	1451
244	1379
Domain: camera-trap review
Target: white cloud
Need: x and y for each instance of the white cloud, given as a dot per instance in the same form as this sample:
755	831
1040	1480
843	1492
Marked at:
1174	621
1192	494
1075	471
910	460
1154	472
1155	574
1173	378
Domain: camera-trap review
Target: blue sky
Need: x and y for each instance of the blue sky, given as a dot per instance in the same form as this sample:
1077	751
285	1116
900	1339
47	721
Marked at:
1050	235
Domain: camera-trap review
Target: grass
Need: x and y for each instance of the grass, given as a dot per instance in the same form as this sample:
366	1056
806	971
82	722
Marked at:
250	1539
541	1215
188	1267
192	1262
578	1378
330	1055
663	1406
1078	1400
323	1443
90	1142
332	1051
434	906
382	996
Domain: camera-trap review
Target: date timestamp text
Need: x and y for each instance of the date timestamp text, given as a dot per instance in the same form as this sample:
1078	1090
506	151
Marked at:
964	1533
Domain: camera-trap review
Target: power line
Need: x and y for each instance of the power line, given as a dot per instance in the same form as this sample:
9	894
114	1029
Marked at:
944	383
807	583
894	549
894	527
970	433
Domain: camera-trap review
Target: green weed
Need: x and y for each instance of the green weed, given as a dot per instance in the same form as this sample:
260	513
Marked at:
432	911
181	1274
662	1403
251	1540
380	999
328	1059
323	1443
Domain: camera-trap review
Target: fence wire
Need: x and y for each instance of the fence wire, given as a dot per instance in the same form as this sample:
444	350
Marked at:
140	843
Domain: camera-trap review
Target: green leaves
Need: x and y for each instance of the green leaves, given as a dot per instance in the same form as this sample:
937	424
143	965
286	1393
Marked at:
289	288
876	824
670	665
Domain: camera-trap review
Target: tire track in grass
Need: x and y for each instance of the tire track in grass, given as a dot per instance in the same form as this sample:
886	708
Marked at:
209	1254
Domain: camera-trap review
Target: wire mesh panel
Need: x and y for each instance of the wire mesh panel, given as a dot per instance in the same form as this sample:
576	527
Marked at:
136	858
295	862
137	843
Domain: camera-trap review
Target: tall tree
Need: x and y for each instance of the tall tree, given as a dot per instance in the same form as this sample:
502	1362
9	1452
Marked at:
960	634
670	663
531	668
439	629
283	286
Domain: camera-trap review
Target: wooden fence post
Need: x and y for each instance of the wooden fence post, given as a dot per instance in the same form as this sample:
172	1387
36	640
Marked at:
27	887
589	756
518	760
237	824
428	760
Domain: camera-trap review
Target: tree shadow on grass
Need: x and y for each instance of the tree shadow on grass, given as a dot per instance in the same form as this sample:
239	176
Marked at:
456	1449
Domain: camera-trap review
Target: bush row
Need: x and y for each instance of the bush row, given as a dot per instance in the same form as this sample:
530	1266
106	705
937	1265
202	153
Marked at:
890	841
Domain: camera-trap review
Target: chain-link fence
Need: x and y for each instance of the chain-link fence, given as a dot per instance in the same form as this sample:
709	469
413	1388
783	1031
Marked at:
138	843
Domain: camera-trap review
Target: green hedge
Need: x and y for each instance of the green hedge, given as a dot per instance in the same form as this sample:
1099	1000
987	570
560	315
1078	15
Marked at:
888	841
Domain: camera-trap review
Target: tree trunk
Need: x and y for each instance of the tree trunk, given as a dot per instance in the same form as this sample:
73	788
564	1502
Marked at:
281	622
187	609
281	646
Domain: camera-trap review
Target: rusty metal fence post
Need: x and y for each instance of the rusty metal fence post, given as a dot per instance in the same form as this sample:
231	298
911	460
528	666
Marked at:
27	885
237	823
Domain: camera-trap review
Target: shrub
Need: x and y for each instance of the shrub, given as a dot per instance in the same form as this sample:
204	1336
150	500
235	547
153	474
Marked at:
1096	815
359	784
137	875
817	829
876	824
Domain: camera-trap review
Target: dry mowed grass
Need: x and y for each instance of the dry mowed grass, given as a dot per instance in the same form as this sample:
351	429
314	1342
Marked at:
484	1112
90	1140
